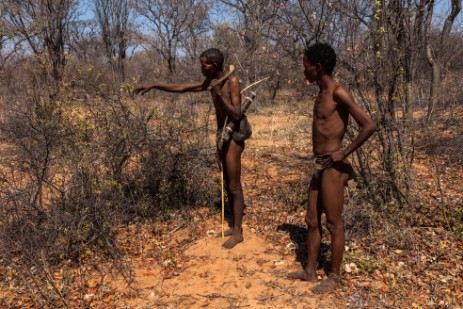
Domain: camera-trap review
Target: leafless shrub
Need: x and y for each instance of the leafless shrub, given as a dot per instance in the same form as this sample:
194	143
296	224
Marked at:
440	140
364	220
78	164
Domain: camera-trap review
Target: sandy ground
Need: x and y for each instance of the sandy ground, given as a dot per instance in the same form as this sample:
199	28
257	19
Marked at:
186	267
251	275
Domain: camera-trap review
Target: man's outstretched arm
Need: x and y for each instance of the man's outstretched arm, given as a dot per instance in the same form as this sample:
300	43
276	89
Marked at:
187	87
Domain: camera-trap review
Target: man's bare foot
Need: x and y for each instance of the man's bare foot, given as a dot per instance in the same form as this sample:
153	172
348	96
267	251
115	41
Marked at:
233	241
328	285
227	233
302	275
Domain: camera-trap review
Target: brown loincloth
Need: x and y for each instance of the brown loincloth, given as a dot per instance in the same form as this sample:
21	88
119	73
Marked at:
344	167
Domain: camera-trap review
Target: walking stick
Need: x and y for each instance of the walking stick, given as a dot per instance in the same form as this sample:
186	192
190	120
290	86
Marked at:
223	194
223	204
227	75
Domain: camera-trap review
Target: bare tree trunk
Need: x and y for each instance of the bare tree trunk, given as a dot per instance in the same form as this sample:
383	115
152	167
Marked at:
113	20
435	82
44	26
170	21
432	57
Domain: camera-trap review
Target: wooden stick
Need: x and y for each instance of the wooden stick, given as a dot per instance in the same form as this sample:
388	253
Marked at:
223	204
223	194
227	75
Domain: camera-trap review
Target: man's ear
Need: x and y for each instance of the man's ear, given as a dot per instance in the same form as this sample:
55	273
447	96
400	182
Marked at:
321	69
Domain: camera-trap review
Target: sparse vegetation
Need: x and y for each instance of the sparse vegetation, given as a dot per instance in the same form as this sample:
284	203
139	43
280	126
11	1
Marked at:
92	176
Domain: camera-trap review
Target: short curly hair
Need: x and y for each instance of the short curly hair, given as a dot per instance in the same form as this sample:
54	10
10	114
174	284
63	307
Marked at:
213	56
321	53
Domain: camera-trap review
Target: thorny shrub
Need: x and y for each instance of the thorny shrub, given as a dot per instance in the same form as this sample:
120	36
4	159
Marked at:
76	165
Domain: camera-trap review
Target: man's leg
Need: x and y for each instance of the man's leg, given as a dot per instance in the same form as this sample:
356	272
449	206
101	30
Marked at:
332	194
313	220
232	175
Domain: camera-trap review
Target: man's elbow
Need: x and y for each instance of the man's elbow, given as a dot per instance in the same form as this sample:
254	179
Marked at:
372	128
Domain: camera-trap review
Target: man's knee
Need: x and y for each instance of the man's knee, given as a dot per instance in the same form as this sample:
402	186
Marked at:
335	226
312	223
235	190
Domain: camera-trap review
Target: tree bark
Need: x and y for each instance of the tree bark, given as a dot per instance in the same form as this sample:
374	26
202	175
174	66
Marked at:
434	96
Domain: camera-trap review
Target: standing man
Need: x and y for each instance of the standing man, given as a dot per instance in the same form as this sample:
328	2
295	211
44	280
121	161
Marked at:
227	102
332	108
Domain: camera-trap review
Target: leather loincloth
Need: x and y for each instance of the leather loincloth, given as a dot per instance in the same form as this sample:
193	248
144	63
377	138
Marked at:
343	166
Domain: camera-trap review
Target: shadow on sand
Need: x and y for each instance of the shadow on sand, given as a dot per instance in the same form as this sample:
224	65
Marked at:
298	235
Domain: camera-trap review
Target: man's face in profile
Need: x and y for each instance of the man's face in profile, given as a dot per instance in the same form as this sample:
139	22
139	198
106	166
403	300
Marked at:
209	70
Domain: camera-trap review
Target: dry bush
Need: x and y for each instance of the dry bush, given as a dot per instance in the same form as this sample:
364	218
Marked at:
75	166
365	220
440	141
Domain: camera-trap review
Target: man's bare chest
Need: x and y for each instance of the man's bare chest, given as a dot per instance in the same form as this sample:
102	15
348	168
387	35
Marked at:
324	108
224	94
